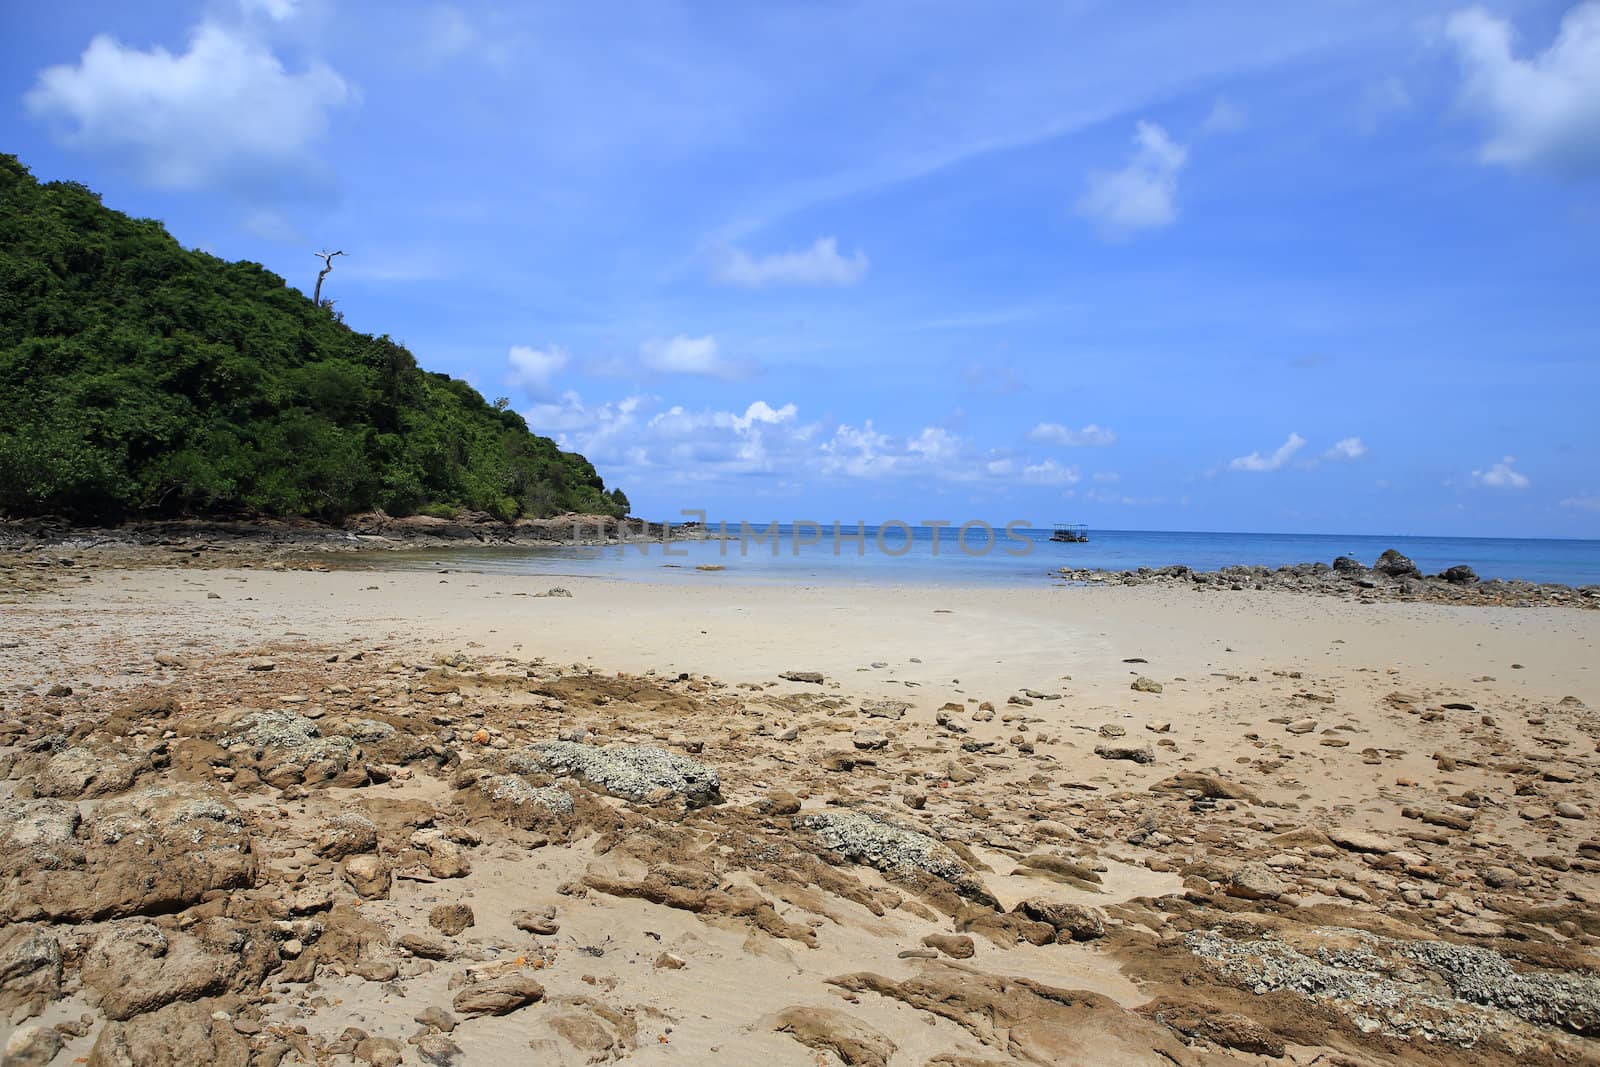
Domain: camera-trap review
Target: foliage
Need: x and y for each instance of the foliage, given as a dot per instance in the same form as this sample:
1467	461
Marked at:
141	379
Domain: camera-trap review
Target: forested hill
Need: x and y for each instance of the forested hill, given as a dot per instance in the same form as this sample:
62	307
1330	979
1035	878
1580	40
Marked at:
138	379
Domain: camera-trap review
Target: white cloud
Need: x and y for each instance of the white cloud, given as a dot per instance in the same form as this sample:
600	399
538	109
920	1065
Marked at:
1224	117
1255	461
1543	111
532	368
1583	502
1143	194
689	355
821	264
1349	448
1106	477
1091	436
1050	473
225	113
1502	475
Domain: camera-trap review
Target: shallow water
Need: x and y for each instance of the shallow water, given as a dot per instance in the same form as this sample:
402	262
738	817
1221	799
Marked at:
914	555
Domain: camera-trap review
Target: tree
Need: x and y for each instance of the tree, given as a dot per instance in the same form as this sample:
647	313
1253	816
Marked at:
327	268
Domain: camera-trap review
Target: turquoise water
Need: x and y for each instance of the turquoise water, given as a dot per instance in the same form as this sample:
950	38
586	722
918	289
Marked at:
894	555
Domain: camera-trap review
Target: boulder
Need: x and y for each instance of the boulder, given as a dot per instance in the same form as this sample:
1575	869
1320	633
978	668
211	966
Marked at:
156	850
641	773
829	1030
1395	565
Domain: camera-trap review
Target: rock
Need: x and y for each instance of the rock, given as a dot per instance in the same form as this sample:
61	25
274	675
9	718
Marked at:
1125	751
438	1049
808	677
1207	785
1037	1023
368	875
346	834
30	967
509	798
1255	881
1301	726
1500	877
80	773
31	1046
424	946
1142	684
1393	564
498	996
782	802
830	1030
863	837
869	740
1200	1018
155	850
260	664
543	925
1568	810
451	919
136	967
885	709
1461	574
1348	565
634	772
956	946
1357	840
378	1051
179	1035
1072	922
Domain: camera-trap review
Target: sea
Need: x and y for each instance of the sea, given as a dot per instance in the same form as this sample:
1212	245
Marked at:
895	554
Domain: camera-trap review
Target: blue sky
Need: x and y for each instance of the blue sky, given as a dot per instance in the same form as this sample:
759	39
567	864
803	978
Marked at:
1213	266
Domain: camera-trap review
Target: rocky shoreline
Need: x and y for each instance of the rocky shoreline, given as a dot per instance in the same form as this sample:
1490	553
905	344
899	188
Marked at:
233	541
1393	577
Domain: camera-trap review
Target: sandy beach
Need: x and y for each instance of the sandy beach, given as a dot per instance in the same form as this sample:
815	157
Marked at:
1029	825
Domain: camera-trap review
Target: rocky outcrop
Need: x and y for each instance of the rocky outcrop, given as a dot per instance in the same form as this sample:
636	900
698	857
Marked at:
639	773
156	850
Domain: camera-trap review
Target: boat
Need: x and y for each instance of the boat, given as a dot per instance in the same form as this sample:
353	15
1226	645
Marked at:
1071	532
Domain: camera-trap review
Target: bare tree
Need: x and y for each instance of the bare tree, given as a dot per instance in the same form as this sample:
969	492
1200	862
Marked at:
327	268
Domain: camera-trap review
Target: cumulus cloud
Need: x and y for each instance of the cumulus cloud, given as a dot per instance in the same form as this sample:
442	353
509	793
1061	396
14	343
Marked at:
1143	194
1542	111
1091	436
1050	473
226	113
1348	448
681	354
1255	461
1502	475
821	264
532	368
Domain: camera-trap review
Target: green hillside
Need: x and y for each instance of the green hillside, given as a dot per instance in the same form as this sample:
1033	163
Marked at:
138	379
